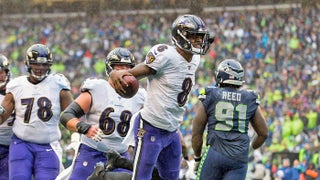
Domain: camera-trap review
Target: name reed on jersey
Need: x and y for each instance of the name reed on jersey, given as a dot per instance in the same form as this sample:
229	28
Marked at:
231	96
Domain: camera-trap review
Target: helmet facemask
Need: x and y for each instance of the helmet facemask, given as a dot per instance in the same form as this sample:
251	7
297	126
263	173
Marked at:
185	43
38	54
4	66
38	78
189	27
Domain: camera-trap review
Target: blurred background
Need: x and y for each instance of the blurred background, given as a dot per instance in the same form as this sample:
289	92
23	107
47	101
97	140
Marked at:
276	41
101	6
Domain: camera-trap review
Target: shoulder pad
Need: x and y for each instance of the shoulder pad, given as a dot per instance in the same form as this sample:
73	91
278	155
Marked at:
256	94
13	83
202	93
89	84
62	80
154	51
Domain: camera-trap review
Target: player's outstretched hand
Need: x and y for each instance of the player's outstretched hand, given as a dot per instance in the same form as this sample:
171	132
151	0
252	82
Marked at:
95	133
117	80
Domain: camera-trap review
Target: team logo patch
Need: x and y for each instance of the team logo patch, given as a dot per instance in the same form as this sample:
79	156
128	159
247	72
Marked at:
150	58
141	132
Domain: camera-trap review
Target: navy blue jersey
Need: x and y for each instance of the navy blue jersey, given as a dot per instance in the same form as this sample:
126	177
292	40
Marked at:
229	112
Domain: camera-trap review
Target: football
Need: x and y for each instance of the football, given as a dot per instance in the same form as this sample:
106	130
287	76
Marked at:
133	87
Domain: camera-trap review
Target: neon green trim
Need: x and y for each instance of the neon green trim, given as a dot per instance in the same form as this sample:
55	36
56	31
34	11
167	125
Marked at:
202	161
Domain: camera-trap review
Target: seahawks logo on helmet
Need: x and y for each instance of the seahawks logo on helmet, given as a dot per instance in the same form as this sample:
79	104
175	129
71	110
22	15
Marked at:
229	71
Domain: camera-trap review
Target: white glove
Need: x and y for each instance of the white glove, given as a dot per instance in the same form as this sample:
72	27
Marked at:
98	136
75	141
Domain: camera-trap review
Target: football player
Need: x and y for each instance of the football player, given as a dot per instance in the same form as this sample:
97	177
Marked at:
37	100
107	116
105	171
170	72
226	111
5	128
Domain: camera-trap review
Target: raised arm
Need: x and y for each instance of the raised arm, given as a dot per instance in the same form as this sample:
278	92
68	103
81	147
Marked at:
139	71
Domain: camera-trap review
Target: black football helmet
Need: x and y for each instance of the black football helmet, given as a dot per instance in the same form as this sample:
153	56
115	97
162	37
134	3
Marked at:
231	72
38	54
4	66
189	25
119	56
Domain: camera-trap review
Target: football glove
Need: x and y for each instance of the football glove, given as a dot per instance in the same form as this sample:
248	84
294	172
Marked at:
98	136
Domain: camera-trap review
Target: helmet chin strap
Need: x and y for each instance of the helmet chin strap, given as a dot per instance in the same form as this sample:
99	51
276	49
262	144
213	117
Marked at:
195	50
3	84
204	47
39	78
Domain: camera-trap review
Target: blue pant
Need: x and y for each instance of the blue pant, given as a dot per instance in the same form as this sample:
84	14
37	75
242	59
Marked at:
27	159
216	166
155	147
87	158
4	160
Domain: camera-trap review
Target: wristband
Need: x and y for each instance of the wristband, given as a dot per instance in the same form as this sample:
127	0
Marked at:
197	159
82	127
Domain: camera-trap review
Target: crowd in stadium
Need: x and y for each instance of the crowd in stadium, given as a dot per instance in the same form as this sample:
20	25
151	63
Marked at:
278	48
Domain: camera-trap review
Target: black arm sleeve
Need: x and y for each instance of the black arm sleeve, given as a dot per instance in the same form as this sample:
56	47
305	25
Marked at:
72	111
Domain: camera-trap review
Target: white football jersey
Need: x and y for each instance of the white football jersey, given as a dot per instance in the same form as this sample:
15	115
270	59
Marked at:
168	90
111	113
6	129
37	107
